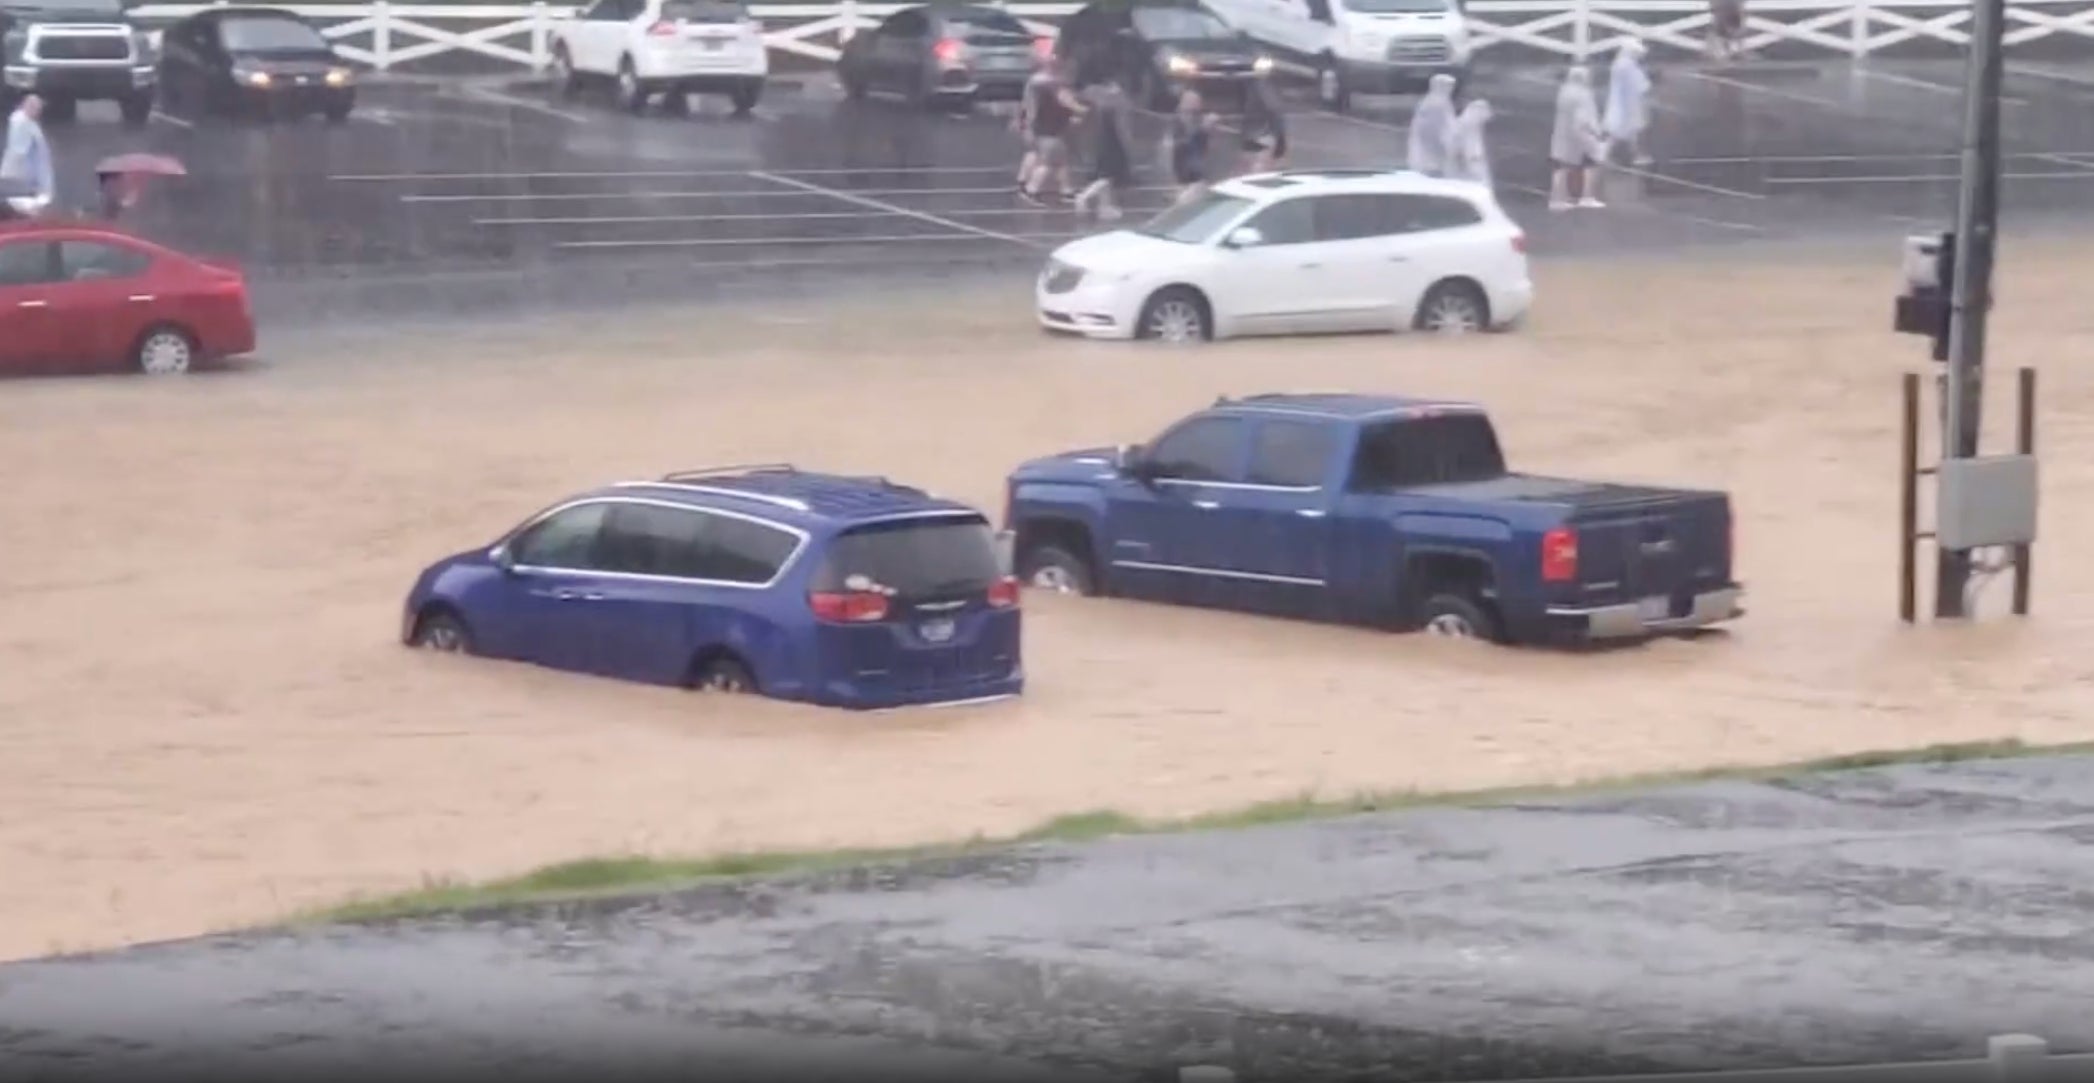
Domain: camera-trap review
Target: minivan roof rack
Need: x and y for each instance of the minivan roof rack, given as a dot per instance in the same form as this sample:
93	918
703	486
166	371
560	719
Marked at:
733	468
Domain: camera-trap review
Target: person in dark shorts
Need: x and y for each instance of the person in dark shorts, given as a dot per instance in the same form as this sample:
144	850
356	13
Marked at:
1192	131
1053	108
1111	145
1264	130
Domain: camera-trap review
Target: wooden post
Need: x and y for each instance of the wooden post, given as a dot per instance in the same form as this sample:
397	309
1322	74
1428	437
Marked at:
1908	503
2024	443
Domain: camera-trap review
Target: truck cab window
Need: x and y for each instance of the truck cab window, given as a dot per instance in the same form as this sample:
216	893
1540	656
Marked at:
1437	450
1292	453
1206	449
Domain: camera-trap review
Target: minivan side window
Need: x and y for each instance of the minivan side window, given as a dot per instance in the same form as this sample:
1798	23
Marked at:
1320	10
1292	453
564	539
648	539
1205	449
735	550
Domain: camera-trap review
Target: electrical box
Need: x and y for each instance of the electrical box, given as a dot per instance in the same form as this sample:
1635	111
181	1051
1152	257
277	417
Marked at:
1922	264
1987	500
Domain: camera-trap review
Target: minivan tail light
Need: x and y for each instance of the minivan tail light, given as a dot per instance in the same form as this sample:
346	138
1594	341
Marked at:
848	607
947	50
1559	555
1519	243
1003	594
663	29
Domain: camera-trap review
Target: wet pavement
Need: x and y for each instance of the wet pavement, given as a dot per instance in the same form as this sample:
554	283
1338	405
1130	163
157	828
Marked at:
503	192
1882	915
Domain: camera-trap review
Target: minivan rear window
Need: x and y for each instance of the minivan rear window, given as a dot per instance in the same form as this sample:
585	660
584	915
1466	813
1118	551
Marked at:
704	11
913	558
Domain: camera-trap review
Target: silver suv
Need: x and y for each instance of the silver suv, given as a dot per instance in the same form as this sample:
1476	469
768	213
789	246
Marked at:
70	51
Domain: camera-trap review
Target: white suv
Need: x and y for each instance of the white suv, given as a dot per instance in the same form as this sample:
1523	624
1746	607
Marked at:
1365	46
1298	252
673	47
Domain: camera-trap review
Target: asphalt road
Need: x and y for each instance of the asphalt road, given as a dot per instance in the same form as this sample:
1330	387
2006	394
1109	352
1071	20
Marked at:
1894	914
495	197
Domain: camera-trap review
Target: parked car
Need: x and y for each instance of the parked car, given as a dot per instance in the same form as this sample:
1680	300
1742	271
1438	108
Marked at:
1376	510
845	591
1155	48
943	54
254	61
1301	251
80	296
673	48
1363	46
70	51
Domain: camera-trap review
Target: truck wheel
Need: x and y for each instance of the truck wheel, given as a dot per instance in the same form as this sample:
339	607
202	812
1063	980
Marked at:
1331	91
1453	307
1175	314
137	109
1458	616
1056	571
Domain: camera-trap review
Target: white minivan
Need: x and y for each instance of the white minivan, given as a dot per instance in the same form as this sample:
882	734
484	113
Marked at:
1364	46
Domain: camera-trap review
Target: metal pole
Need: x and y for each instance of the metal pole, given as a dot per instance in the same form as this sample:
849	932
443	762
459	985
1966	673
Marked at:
2025	444
1977	221
1908	504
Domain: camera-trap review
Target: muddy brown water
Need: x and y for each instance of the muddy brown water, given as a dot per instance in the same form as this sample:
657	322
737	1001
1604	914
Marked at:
205	718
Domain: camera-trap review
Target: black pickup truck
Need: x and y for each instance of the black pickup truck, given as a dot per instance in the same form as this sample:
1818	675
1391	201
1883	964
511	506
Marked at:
1371	509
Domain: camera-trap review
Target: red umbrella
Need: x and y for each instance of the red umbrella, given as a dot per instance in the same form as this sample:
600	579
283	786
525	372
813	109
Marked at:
155	165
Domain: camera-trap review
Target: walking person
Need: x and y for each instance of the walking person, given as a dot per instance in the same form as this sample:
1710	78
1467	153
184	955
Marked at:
1054	109
1431	123
1468	158
1726	29
1576	143
26	161
1628	103
1191	134
1112	157
1264	129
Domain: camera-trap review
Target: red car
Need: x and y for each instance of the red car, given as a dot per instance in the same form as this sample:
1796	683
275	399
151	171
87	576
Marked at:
86	296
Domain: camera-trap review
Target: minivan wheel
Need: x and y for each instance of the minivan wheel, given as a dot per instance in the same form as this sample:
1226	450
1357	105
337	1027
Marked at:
1177	315
1457	616
724	675
1055	570
440	630
1453	308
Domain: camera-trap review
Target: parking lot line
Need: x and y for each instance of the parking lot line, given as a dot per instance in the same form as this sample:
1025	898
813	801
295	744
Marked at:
620	173
876	204
2085	173
1922	84
972	235
658	219
170	118
1740	84
494	97
806	190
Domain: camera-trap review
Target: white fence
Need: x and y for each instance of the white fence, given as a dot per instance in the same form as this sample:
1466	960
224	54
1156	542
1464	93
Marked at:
390	36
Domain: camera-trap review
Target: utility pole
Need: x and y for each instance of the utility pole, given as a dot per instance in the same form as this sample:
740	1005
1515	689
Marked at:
1977	231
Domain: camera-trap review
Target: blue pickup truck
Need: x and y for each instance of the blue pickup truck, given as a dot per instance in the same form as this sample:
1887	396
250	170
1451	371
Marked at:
1375	510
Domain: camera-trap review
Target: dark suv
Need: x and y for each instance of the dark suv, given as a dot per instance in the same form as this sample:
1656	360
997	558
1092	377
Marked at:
70	51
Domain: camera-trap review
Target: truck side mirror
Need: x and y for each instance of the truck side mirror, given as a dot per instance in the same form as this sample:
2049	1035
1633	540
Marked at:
1129	460
503	559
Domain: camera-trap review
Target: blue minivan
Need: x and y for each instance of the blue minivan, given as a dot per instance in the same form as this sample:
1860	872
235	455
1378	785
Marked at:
843	591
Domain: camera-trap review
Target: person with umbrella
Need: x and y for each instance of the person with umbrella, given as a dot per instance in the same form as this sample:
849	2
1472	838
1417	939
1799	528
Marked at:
120	181
26	179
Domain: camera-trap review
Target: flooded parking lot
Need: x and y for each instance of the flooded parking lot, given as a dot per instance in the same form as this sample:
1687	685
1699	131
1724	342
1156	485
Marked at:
219	562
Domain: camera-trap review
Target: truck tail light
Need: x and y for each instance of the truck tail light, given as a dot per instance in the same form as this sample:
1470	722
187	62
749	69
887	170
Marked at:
1043	49
1559	555
663	29
1003	594
948	50
848	607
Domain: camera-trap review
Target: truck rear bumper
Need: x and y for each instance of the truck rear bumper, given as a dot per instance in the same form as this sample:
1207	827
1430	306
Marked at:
1630	620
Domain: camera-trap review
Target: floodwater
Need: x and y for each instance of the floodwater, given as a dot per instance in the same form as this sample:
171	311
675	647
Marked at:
206	720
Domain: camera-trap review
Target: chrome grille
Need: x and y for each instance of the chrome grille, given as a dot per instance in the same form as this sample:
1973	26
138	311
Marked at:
1420	51
1061	278
83	47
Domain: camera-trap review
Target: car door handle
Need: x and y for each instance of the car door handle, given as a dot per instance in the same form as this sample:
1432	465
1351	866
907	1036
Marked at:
577	596
1309	513
36	304
1209	505
1310	266
142	297
1399	259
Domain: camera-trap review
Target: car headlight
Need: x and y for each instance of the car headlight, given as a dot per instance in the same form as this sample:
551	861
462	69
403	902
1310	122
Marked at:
1262	65
1179	64
251	77
339	76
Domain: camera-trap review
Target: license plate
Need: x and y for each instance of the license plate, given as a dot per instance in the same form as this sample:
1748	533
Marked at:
935	631
1654	608
713	44
1003	63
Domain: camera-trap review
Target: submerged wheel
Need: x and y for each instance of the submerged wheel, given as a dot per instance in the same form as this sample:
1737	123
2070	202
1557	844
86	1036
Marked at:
1453	308
728	676
1055	570
441	630
1175	314
1458	616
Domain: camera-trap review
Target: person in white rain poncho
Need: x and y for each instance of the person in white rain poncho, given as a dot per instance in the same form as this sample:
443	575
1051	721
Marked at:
1628	102
1467	157
1576	144
1431	125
